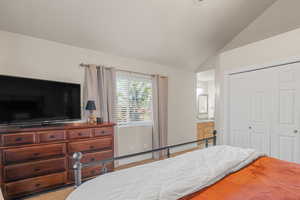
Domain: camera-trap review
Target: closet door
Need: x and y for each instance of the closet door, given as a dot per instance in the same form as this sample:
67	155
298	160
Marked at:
250	109
239	110
285	130
260	108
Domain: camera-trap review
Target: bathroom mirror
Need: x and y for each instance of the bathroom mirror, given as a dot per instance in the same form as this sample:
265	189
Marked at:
203	104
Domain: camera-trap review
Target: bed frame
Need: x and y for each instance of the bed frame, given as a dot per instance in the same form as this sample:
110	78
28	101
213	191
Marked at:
78	166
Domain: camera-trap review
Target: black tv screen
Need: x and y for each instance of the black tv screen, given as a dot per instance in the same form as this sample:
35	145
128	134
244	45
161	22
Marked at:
24	100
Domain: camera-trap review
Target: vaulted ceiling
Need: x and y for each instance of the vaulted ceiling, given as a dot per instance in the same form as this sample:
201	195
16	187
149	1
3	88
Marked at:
177	33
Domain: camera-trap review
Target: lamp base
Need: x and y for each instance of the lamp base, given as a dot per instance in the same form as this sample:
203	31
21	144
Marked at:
92	119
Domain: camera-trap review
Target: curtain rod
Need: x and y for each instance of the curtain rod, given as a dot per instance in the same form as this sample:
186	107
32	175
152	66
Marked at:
122	70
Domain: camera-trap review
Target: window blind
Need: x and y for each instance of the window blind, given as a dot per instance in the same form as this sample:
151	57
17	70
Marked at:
134	99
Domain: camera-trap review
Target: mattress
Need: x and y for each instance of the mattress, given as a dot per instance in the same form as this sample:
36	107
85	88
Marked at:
265	179
168	179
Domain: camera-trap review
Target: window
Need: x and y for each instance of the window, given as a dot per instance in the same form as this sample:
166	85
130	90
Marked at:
134	99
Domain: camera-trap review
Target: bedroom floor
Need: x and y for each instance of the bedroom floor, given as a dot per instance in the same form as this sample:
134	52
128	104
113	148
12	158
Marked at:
56	195
62	194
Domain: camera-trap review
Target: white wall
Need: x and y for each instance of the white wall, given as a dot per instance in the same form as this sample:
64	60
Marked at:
140	136
271	50
280	17
37	58
203	86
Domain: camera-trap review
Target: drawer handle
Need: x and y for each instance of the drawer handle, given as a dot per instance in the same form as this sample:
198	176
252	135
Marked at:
92	159
92	147
37	169
36	154
52	136
80	134
19	139
37	185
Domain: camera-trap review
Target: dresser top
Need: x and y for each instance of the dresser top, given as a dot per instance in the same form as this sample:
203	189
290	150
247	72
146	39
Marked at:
66	126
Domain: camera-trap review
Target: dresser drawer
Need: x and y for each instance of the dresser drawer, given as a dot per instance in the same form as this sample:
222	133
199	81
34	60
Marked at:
17	139
79	133
103	131
33	169
35	184
91	157
90	145
51	136
33	153
91	171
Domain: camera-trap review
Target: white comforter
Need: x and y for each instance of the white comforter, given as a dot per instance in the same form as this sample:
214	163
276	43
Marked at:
168	179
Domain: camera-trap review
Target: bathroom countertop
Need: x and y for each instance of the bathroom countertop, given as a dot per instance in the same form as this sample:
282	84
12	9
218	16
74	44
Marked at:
205	120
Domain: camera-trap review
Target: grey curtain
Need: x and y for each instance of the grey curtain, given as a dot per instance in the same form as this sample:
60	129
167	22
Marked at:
107	92
160	114
100	86
90	89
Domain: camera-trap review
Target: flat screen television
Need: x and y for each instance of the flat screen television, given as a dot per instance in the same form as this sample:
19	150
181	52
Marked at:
32	101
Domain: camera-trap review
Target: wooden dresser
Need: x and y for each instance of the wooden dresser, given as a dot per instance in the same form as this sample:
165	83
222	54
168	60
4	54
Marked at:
37	159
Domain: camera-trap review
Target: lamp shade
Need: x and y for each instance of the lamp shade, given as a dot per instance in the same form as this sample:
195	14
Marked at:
90	105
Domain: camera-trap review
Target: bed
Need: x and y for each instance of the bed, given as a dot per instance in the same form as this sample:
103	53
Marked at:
264	179
216	173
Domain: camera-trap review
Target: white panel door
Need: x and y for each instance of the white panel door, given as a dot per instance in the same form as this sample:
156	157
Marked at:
285	136
260	95
239	110
250	110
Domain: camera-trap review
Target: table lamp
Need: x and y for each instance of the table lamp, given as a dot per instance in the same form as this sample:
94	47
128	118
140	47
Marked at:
90	106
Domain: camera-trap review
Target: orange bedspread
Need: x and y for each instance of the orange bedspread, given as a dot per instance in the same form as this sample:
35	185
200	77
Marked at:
265	179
